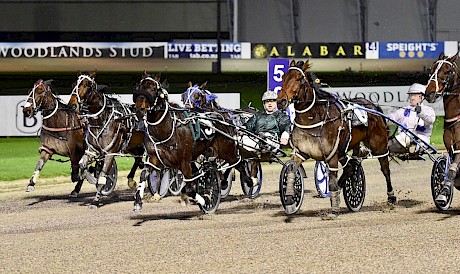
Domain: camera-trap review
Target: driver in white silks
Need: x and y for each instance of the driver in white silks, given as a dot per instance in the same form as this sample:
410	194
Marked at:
416	117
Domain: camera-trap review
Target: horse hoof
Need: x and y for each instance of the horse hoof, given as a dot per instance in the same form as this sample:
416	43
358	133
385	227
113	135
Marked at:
92	206
73	194
289	200
392	199
131	183
330	216
30	188
137	207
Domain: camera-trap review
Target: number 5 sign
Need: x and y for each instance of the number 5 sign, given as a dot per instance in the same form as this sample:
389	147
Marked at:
276	69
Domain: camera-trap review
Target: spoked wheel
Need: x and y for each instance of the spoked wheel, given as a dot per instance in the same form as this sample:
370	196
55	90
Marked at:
291	208
176	183
111	176
209	188
438	177
354	189
322	179
251	192
228	177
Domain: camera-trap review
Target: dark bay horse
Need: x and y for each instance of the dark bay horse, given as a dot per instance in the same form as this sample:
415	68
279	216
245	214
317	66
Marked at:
444	82
109	128
321	131
198	98
171	140
61	132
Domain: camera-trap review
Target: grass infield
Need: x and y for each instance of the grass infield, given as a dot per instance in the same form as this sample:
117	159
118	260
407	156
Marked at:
19	155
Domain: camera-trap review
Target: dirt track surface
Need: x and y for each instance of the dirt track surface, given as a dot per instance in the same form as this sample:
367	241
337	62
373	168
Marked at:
45	232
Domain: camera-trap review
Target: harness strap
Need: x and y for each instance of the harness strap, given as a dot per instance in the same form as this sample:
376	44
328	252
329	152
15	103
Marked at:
45	149
453	119
58	129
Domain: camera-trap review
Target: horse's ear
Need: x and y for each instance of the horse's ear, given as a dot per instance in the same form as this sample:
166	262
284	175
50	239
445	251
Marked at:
165	84
93	74
306	65
78	73
453	58
190	84
145	74
292	63
203	85
441	56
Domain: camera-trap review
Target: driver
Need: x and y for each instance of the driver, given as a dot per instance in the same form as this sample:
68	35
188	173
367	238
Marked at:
271	124
416	117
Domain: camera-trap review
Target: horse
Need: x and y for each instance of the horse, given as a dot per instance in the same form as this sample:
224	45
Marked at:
321	132
172	140
444	82
198	97
61	132
109	129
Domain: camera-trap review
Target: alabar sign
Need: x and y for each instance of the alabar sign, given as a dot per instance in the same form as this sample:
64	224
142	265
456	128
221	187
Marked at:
310	50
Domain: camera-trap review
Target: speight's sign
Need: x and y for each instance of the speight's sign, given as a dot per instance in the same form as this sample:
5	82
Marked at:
83	50
310	50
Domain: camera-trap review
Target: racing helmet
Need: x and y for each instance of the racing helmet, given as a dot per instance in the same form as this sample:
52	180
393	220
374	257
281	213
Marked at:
269	95
416	89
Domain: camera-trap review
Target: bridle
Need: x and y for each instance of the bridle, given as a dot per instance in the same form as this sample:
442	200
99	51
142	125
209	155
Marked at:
446	82
80	79
36	107
189	100
92	88
303	83
161	93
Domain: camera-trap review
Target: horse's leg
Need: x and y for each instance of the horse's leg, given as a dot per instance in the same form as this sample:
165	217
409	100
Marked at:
132	172
102	180
76	178
385	168
190	188
290	191
334	188
451	174
141	188
253	165
44	156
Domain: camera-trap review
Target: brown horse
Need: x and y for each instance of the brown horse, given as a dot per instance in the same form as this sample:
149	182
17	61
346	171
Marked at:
321	132
444	82
109	130
172	139
199	97
61	132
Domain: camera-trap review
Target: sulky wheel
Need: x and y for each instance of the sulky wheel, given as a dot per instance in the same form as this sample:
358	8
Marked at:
228	177
291	208
354	189
176	183
111	177
438	177
208	187
322	179
251	192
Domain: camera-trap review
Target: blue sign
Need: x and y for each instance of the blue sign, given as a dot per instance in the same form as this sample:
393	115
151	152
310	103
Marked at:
410	50
203	50
277	67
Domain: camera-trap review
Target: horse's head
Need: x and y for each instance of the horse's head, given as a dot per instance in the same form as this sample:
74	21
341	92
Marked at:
443	77
84	86
37	97
293	80
194	96
148	93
